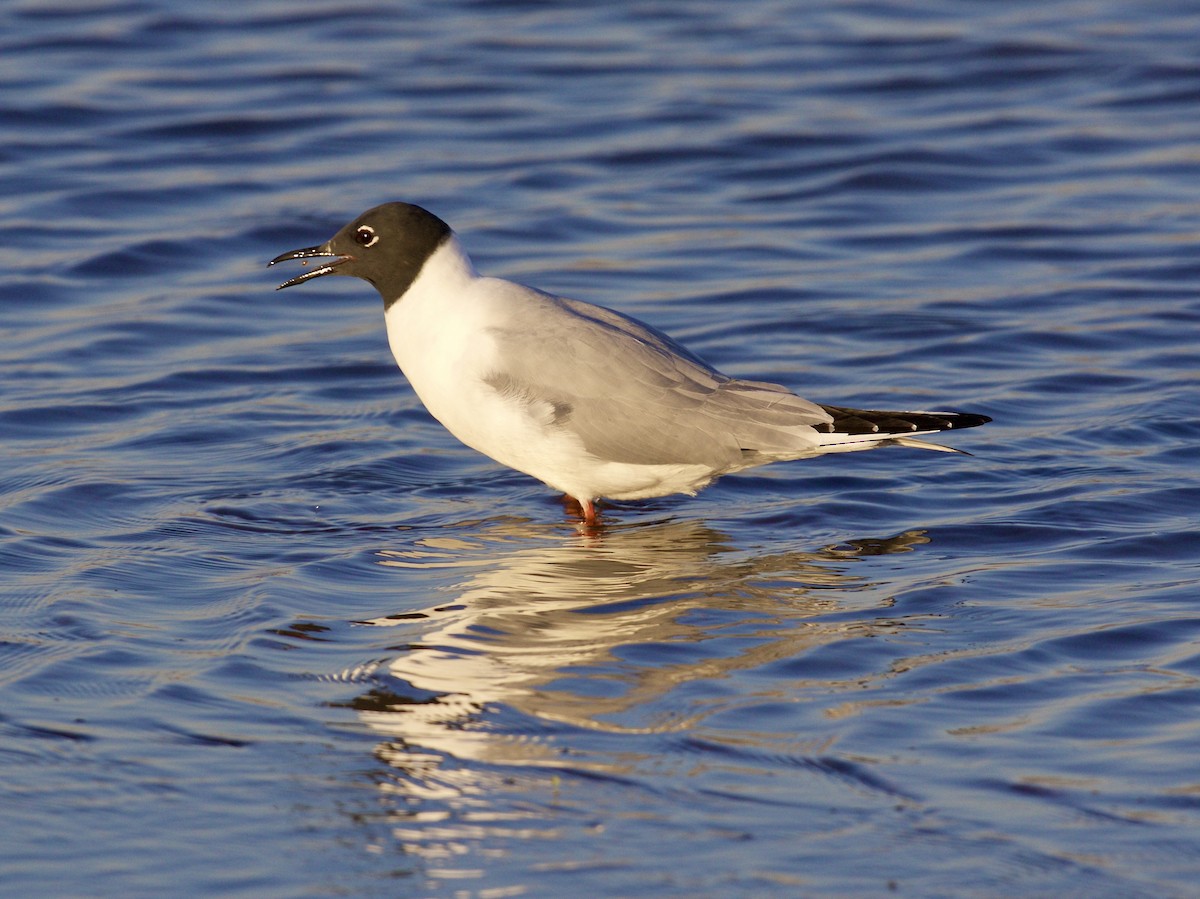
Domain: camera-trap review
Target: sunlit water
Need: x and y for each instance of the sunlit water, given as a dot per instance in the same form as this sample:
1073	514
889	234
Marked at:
268	630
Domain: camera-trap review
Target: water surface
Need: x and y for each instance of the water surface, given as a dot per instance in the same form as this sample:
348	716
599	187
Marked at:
268	630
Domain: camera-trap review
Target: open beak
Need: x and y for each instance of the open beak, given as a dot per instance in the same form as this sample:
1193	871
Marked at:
321	252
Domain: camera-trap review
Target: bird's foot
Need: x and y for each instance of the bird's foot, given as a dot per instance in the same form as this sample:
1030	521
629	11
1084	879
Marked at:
584	508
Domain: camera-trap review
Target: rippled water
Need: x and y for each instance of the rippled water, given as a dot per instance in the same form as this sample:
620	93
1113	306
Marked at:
267	630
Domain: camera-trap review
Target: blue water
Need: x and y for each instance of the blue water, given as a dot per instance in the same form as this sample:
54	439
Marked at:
267	630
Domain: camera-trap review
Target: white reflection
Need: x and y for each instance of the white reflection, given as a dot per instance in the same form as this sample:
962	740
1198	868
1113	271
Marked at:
547	625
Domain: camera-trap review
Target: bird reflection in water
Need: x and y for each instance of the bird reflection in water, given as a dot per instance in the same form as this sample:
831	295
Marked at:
595	632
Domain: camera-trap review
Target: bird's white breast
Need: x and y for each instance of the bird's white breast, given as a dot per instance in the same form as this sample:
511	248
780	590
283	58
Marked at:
442	335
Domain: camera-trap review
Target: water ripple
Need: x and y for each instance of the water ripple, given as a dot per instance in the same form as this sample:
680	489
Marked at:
258	606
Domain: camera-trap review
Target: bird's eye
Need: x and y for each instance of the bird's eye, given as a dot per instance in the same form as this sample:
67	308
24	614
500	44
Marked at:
365	236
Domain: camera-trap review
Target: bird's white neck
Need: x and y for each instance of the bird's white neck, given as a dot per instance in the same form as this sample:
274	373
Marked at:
422	322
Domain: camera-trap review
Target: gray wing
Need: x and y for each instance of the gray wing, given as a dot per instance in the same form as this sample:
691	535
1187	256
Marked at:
631	394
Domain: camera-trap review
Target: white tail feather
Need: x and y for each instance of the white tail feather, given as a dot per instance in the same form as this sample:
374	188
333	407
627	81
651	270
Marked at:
846	443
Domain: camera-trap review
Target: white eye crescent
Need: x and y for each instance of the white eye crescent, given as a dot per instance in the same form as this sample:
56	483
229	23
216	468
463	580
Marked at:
365	236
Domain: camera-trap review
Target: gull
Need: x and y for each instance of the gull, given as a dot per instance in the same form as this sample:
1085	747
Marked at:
592	402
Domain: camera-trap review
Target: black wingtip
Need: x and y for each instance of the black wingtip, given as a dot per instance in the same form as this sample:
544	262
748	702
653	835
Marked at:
868	421
959	420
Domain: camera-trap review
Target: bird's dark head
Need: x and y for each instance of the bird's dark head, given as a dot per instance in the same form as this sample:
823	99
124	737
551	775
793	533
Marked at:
385	246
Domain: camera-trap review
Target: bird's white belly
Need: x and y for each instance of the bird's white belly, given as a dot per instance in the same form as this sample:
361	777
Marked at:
453	372
519	436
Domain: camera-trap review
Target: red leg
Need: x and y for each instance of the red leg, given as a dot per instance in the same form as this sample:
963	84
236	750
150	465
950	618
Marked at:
589	511
584	508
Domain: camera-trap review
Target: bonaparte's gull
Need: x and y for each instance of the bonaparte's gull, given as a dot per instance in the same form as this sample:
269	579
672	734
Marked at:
590	401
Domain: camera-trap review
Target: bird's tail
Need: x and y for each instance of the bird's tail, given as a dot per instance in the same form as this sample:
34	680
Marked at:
860	429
